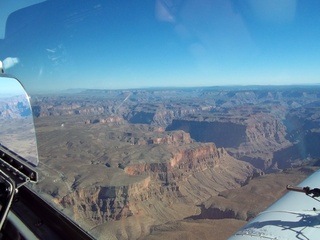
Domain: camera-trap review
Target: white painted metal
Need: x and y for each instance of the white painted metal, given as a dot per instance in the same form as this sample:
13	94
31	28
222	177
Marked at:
294	216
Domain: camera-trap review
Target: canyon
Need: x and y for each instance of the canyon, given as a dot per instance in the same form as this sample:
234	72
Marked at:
128	164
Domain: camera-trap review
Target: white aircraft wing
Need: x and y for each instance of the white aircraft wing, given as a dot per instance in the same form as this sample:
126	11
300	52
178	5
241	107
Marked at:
294	216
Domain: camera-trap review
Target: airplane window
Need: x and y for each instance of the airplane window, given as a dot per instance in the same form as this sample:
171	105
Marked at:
153	118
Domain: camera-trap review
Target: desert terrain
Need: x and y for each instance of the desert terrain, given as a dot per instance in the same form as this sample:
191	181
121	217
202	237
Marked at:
190	163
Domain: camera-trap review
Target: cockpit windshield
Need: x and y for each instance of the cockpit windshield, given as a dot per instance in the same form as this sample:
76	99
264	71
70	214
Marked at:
17	128
152	117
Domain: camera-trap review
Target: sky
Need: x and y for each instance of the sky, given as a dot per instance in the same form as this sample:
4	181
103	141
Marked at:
10	87
117	44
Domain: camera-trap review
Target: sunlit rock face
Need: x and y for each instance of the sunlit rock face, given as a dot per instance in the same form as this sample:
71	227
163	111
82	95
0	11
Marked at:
190	174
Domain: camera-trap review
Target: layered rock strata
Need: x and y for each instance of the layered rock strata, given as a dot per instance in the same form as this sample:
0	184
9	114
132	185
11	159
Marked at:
254	138
162	190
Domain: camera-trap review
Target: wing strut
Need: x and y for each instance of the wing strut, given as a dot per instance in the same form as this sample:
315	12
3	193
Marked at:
311	192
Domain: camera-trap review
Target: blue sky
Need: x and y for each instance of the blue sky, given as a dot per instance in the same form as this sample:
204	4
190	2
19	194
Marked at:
132	44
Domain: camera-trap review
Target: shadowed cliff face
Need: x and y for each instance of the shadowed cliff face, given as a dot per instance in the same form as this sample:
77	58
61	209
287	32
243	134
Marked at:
142	117
223	134
306	148
303	131
253	139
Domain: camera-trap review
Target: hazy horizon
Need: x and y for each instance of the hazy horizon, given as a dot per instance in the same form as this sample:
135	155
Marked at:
247	87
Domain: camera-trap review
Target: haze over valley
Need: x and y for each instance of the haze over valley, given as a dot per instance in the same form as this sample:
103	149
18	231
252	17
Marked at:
177	163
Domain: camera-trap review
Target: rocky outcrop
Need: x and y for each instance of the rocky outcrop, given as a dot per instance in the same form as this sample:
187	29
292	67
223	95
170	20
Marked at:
113	120
177	137
266	135
152	137
158	117
104	203
66	110
191	174
183	161
71	104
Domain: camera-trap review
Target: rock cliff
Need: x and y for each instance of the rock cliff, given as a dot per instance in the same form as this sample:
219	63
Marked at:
108	120
159	190
158	117
253	138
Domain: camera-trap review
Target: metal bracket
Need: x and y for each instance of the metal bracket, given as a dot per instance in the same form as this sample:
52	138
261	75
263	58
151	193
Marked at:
16	167
14	173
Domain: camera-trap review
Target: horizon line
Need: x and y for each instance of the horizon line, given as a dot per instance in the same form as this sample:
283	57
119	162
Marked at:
170	87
